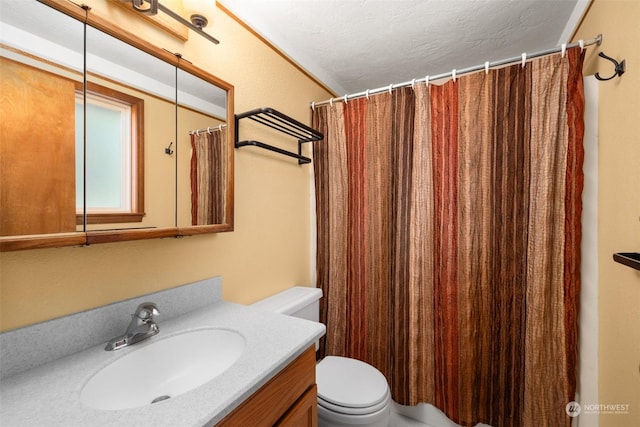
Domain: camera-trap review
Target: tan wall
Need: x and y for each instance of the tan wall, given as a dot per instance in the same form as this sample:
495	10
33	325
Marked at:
618	204
270	247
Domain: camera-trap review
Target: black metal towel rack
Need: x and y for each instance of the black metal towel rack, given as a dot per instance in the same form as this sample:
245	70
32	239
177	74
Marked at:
282	123
630	259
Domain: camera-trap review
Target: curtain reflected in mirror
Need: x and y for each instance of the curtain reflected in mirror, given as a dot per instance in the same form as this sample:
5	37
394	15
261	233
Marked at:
203	152
208	177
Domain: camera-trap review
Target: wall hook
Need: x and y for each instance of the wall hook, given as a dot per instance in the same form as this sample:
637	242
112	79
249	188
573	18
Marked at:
620	67
168	150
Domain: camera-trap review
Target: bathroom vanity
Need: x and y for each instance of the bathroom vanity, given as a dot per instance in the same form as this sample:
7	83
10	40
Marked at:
47	369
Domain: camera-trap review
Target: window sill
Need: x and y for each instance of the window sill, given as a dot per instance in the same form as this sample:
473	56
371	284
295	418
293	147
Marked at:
111	218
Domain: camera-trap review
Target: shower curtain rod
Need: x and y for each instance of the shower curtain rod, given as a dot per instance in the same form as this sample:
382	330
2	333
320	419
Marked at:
455	73
208	130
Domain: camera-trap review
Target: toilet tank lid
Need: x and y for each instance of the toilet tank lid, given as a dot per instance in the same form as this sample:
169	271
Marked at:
290	300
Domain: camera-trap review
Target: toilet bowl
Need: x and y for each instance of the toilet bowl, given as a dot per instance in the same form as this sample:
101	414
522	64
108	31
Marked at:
350	392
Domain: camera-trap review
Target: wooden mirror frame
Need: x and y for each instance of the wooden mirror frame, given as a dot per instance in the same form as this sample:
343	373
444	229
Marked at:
80	238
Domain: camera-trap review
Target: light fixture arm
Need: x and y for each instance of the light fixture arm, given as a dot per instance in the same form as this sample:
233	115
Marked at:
183	21
152	9
198	23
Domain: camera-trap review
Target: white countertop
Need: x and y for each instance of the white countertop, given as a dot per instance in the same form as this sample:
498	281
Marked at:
50	394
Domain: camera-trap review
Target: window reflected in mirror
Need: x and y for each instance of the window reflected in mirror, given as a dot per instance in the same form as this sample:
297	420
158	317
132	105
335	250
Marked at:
122	72
115	155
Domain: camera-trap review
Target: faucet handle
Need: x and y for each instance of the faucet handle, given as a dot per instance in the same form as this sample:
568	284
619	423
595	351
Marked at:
146	310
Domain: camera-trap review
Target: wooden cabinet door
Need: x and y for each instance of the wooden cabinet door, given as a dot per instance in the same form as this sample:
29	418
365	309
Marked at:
37	151
304	413
267	406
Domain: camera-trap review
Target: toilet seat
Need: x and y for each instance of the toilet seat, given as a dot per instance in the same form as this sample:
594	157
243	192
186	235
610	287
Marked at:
346	410
375	419
351	387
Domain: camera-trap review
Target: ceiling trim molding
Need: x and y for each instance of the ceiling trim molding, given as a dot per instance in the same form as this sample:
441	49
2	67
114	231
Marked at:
247	26
577	16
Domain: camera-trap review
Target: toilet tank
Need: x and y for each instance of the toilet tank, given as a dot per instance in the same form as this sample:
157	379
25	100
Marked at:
299	301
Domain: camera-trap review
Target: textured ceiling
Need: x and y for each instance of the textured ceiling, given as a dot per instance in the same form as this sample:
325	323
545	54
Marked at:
354	45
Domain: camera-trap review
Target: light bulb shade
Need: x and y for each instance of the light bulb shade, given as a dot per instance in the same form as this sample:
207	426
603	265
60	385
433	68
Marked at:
203	8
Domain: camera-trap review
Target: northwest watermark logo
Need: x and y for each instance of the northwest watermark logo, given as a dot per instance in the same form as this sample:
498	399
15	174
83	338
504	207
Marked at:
573	409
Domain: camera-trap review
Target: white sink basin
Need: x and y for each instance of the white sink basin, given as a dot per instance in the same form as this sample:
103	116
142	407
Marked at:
163	368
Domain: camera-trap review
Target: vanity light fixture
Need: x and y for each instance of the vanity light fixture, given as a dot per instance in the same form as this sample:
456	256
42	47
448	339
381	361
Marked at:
139	5
199	11
197	22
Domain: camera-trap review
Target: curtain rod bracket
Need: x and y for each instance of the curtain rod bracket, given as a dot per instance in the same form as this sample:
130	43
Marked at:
620	67
598	39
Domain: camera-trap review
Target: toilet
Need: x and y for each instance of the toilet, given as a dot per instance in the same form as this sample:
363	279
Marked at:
350	392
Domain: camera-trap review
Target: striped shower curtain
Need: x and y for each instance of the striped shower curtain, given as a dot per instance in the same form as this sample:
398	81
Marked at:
208	178
449	239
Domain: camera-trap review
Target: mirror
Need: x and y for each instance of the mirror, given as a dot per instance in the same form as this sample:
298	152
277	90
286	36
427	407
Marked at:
130	121
42	63
155	159
203	149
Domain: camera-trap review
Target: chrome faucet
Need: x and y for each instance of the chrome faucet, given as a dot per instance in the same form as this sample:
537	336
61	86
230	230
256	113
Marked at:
142	326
